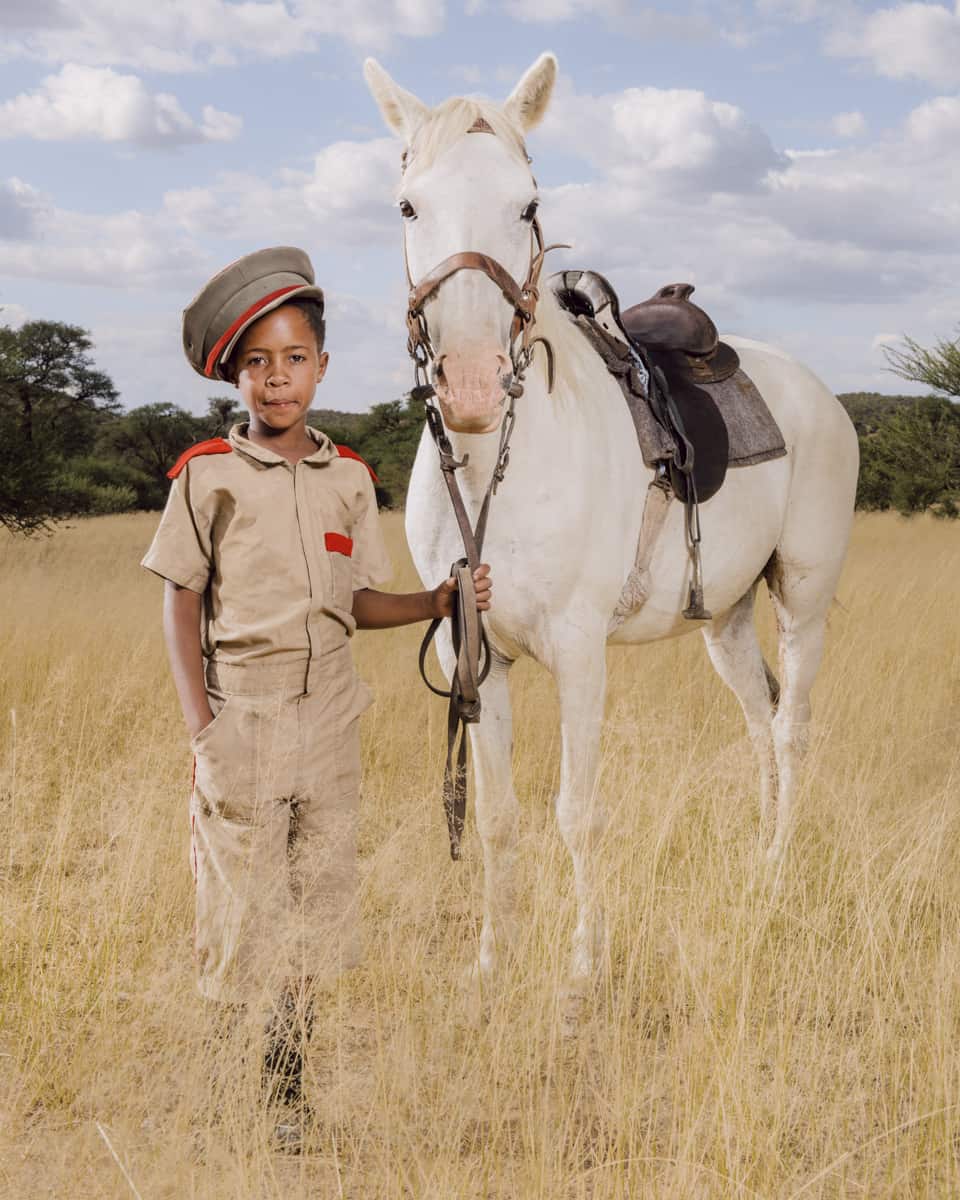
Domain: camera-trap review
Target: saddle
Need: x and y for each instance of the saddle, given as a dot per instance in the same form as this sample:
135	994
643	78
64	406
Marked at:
672	346
660	351
694	410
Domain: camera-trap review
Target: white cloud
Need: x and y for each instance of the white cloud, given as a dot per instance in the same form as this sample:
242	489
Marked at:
848	124
655	139
12	315
549	11
19	204
99	103
646	23
117	250
795	10
182	35
906	41
936	124
344	200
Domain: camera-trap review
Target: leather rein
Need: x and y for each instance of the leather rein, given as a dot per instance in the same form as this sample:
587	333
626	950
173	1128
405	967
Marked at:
470	643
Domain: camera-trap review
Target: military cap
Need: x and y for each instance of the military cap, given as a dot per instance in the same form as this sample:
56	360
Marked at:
217	317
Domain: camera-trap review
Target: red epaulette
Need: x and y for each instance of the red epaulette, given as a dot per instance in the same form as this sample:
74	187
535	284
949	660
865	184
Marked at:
346	452
212	446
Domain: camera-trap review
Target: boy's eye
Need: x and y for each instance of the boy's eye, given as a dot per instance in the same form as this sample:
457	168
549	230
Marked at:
298	358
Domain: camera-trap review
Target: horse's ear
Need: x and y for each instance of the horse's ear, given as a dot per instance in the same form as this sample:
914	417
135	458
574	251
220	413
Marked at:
528	101
401	109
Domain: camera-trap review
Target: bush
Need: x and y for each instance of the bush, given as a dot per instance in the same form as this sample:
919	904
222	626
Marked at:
86	497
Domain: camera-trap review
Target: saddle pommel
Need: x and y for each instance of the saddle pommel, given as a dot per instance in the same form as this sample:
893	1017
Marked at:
670	319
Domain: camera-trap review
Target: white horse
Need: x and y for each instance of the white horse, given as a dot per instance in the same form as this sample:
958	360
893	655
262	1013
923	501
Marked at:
564	525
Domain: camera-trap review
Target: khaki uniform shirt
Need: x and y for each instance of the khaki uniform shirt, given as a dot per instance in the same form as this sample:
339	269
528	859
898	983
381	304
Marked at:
276	550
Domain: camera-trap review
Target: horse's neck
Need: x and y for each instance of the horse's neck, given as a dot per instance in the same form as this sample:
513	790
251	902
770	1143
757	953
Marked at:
548	423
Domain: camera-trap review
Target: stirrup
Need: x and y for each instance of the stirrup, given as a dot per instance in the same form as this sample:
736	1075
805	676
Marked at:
695	610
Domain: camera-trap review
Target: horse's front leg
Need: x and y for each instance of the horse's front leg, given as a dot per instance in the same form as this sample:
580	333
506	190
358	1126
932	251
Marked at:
497	810
580	671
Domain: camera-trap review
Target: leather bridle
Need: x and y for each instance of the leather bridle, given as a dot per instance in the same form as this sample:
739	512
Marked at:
470	643
523	298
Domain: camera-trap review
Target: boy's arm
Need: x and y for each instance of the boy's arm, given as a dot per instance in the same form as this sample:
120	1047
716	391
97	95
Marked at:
384	610
181	629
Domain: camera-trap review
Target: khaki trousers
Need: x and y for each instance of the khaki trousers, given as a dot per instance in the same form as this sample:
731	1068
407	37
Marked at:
274	824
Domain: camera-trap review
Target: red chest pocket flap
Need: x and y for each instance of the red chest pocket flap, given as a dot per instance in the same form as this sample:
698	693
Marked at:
338	543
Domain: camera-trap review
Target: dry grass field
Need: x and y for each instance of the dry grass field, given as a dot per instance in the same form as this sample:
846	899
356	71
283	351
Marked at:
741	1043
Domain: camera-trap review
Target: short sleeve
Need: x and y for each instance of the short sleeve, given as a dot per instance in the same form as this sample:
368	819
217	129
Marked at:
370	561
181	549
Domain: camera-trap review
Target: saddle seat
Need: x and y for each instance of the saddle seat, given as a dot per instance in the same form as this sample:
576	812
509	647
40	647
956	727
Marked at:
669	320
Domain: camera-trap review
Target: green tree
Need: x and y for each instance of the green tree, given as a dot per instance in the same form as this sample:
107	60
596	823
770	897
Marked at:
48	380
53	403
150	439
912	462
388	438
222	412
938	368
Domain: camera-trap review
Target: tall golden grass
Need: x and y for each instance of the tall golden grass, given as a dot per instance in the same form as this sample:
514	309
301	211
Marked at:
742	1042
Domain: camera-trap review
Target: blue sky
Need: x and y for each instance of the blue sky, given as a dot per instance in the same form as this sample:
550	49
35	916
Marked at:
796	160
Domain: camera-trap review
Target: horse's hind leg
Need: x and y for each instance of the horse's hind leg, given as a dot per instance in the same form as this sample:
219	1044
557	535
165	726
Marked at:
735	653
801	599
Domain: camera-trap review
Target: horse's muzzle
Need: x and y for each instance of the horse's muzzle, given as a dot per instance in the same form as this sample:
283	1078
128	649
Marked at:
471	388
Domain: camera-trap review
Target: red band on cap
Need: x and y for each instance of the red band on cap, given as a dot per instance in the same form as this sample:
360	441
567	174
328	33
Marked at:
214	356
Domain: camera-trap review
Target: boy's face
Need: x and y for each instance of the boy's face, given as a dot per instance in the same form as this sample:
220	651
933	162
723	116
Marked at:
278	368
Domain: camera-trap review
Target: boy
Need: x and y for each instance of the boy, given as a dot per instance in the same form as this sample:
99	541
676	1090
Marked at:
270	550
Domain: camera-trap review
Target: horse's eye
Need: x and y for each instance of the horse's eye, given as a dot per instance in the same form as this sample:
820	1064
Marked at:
530	211
407	209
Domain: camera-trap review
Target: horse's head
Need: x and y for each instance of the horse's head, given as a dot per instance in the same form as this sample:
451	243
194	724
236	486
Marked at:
472	196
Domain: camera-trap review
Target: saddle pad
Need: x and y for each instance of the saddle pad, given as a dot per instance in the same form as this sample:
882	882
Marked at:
754	435
751	434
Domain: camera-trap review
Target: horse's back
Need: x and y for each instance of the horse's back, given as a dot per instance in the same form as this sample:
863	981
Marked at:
801	403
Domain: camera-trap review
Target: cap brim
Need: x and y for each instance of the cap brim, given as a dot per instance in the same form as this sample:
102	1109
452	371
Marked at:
309	291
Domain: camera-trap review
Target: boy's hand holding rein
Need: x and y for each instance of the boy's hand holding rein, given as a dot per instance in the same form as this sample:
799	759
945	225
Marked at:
443	596
384	610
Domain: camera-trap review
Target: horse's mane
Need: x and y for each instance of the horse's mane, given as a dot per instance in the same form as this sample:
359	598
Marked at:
450	121
578	368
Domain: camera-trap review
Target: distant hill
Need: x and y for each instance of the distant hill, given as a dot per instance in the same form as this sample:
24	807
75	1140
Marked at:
868	410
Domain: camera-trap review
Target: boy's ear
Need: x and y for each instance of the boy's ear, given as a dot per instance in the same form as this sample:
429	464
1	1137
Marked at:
322	364
402	110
